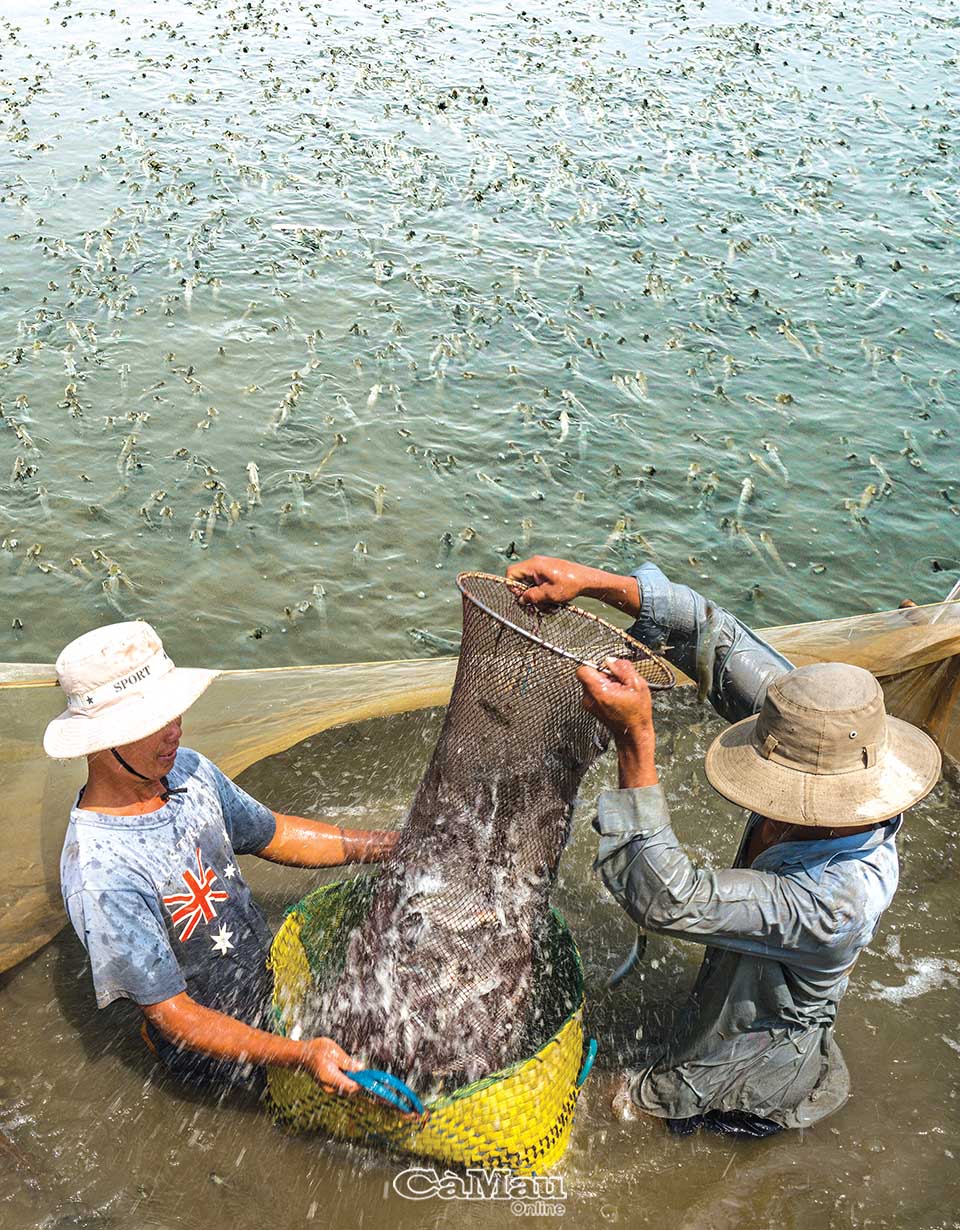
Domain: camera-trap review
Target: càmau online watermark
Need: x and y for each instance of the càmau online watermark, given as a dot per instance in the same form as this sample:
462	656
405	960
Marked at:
528	1195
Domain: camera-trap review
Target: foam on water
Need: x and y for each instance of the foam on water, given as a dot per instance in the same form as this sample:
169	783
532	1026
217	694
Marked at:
926	974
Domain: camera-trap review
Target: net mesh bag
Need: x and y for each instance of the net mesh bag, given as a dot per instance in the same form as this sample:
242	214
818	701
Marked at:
450	968
437	980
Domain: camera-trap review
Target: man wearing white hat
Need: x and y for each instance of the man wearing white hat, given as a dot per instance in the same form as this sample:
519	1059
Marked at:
826	776
149	872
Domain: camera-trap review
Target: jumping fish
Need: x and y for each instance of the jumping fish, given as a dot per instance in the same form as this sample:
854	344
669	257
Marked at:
767	540
774	455
707	651
253	484
466	535
564	426
794	340
616	534
746	495
338	440
856	512
759	461
548	473
630	962
743	534
431	641
886	485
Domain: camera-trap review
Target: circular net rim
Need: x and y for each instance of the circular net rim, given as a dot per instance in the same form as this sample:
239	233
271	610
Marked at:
667	677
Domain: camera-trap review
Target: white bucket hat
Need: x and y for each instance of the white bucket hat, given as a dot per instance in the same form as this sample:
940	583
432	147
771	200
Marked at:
120	686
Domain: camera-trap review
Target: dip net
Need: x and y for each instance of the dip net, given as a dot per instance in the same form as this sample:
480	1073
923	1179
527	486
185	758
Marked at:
437	979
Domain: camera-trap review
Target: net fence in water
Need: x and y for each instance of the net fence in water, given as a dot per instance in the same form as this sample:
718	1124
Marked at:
248	715
438	977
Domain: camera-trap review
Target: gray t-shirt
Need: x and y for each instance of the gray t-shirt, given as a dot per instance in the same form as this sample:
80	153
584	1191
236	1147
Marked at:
159	903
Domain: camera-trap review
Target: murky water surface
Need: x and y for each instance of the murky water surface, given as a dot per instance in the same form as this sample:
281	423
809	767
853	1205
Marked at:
305	308
106	1141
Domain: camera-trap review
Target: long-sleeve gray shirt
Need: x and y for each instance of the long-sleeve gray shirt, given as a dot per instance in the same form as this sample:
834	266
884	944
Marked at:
782	934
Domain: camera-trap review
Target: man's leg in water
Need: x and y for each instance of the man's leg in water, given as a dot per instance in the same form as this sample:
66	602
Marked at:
726	1123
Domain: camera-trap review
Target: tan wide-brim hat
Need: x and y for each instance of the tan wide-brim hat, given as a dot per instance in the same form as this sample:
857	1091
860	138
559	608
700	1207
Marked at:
823	751
121	686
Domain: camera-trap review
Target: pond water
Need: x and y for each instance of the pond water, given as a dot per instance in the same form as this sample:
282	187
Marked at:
304	309
457	280
103	1140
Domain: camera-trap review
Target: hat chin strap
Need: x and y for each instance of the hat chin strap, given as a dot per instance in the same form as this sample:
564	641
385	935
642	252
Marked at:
167	789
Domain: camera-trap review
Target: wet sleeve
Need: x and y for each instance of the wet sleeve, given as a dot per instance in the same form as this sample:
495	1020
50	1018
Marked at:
731	665
250	825
126	941
649	873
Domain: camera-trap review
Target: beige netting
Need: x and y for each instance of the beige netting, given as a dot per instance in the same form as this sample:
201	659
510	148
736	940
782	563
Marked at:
248	715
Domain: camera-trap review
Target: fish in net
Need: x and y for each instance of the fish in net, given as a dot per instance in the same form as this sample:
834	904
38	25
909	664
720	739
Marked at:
437	980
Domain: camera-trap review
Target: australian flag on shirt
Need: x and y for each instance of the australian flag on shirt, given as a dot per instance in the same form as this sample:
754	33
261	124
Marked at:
160	905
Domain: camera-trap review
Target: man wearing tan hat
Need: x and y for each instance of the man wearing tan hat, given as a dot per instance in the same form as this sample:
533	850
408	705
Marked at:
826	776
149	873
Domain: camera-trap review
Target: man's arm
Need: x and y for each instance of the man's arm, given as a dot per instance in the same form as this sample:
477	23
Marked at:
300	842
649	873
731	664
186	1023
620	698
553	581
131	958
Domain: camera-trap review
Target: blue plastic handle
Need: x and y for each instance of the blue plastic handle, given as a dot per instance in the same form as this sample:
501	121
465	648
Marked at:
592	1049
388	1088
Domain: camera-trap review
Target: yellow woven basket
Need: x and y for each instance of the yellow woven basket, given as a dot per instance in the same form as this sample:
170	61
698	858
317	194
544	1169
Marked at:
518	1119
